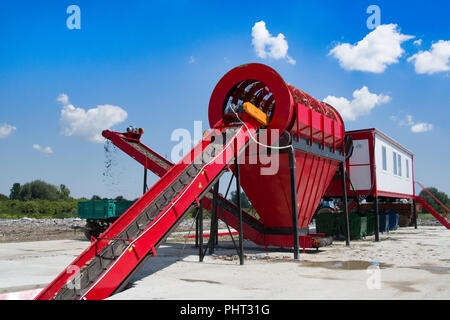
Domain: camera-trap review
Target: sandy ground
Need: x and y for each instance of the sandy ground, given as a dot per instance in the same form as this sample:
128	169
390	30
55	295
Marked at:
405	264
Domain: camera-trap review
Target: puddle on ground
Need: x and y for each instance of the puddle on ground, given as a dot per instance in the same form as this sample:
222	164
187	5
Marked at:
404	286
344	265
321	278
196	280
432	269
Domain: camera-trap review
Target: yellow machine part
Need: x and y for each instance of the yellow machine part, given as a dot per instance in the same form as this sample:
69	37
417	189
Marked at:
256	113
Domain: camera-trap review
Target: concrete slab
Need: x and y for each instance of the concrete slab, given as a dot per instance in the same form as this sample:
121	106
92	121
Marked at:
32	265
409	264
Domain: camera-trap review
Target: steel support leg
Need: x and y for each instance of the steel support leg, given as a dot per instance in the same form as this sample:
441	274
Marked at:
213	227
200	229
144	189
377	220
415	213
238	190
294	202
344	199
196	229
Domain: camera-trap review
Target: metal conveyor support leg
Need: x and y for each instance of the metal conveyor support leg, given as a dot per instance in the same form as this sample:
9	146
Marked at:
213	227
238	190
145	178
294	202
200	231
344	200
377	220
415	213
196	229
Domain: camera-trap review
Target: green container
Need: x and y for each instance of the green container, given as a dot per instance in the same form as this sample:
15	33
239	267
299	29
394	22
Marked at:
357	224
101	209
325	223
370	223
122	206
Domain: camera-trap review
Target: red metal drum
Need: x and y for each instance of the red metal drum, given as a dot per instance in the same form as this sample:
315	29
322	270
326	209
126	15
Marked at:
316	129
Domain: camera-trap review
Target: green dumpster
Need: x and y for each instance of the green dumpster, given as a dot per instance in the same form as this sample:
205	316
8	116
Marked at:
357	224
100	209
370	222
122	206
325	221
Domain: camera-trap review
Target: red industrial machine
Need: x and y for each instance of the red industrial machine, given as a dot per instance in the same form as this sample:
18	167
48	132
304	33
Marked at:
253	114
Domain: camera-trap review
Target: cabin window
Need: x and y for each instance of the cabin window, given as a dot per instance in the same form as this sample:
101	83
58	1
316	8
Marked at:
407	168
383	153
394	160
400	165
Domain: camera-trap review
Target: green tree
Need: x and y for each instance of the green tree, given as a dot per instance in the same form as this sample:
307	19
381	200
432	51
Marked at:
442	197
38	189
244	200
3	197
15	191
120	198
95	197
64	192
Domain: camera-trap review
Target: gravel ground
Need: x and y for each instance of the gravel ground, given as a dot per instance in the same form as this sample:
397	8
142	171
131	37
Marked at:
428	222
29	229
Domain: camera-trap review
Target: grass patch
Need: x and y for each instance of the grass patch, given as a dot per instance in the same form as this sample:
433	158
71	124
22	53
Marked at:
40	209
425	216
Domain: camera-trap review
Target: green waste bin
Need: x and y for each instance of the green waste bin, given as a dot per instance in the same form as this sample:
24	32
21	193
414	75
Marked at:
370	222
357	224
325	221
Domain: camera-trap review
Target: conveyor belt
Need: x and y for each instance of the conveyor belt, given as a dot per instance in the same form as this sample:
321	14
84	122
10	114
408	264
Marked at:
149	154
92	273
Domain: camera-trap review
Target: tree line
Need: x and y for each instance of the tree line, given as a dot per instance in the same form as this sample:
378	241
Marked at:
39	199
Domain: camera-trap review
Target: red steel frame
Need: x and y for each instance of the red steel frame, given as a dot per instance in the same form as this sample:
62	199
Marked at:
146	241
249	232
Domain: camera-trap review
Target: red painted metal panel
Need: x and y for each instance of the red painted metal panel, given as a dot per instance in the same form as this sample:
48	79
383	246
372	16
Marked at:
167	218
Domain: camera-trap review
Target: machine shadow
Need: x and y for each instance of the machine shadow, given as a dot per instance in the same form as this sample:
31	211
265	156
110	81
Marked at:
172	252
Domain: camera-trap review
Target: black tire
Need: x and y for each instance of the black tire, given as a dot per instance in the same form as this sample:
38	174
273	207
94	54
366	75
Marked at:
92	229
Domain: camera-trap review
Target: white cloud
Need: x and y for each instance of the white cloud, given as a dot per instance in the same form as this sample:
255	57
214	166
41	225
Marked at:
421	127
409	122
63	99
374	52
191	59
88	124
277	46
437	59
362	103
6	130
46	150
418	42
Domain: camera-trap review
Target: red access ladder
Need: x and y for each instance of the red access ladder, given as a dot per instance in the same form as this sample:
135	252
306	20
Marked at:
112	259
441	218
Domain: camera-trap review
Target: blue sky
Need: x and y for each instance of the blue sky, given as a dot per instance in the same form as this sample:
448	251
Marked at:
160	61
